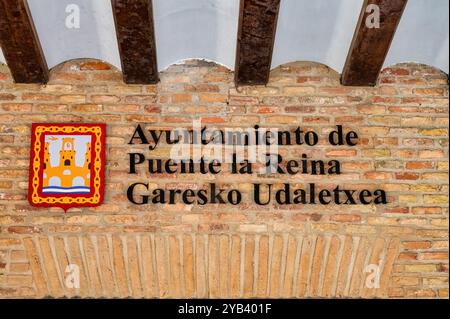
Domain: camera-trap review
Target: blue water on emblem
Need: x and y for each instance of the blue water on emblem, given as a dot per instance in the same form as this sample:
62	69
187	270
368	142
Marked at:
63	190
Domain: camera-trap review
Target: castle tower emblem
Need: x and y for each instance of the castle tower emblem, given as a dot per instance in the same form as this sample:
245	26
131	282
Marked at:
67	165
66	176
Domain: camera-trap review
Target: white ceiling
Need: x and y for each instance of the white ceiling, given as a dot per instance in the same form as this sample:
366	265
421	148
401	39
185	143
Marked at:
319	30
196	29
95	38
422	35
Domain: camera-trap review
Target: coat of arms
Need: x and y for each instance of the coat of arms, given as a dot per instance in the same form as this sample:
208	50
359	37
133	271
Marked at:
67	165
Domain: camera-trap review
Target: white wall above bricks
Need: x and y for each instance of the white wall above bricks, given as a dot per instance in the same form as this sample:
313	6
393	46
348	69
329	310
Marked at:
319	31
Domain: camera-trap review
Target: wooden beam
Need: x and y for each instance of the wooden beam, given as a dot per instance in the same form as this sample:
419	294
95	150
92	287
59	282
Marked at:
256	37
20	43
371	45
136	39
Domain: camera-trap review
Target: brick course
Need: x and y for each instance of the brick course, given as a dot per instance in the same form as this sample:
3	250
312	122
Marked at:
224	251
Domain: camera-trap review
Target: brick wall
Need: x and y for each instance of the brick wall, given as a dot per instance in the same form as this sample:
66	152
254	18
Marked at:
221	250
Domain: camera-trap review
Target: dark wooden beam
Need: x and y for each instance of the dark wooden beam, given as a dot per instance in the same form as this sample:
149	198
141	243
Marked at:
256	37
371	45
136	39
20	43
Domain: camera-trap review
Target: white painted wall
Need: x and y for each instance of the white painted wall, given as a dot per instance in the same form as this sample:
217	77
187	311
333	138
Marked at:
196	29
95	38
422	35
319	30
2	58
314	30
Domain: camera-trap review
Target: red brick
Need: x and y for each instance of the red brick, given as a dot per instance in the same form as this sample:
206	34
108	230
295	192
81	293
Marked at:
94	66
407	176
23	230
346	218
419	165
